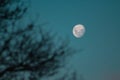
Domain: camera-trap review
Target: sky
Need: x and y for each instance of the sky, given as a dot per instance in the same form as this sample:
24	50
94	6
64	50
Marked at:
101	43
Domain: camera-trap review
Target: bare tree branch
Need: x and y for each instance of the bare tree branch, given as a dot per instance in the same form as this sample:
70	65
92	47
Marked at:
31	50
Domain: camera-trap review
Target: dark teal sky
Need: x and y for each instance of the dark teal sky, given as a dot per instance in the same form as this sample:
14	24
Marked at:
101	42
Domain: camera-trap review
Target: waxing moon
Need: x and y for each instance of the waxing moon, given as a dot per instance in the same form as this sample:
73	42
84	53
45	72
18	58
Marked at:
78	30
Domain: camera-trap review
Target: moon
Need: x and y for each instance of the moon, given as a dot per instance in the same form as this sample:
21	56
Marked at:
78	30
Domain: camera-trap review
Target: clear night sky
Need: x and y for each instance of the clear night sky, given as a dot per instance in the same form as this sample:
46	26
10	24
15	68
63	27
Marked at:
101	42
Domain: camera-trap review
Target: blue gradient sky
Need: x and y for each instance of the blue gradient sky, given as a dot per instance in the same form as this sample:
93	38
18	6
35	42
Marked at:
101	43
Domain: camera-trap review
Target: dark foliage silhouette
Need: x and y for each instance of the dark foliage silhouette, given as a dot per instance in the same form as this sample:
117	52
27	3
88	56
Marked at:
27	53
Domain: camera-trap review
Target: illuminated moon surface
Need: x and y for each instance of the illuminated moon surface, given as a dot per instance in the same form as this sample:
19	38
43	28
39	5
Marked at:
78	30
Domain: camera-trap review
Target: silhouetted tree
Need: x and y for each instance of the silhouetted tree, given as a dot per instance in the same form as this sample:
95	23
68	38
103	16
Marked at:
27	53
